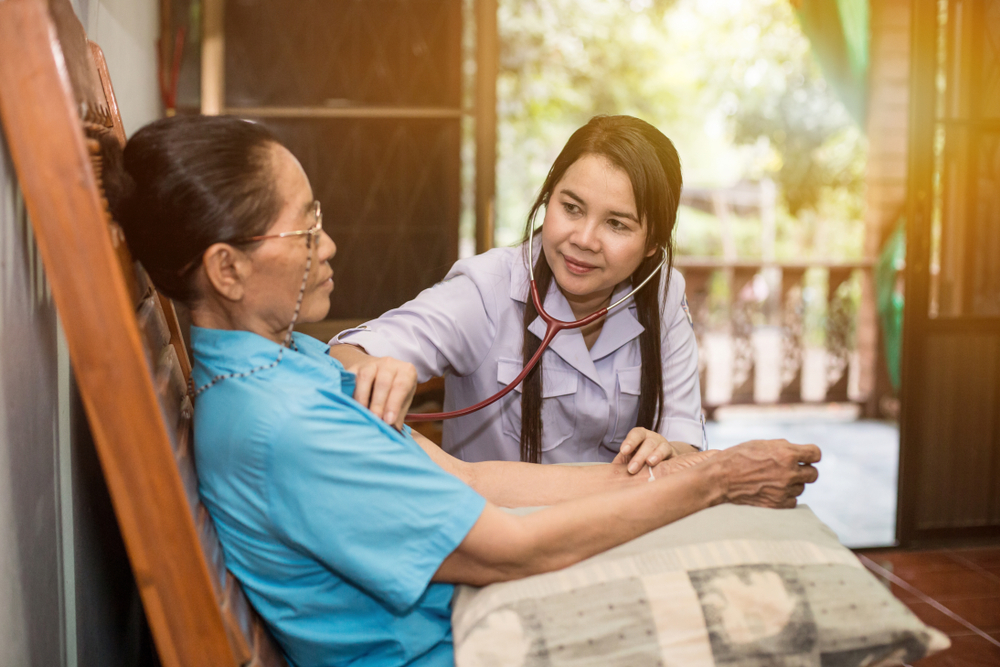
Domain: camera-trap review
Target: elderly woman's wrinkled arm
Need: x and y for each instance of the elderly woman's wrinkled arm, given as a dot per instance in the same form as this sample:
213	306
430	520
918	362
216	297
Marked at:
517	484
502	547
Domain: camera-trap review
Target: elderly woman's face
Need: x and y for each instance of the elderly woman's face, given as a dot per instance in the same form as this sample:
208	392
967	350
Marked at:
279	263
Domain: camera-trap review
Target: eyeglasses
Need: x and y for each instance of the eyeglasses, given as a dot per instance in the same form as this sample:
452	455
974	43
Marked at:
310	234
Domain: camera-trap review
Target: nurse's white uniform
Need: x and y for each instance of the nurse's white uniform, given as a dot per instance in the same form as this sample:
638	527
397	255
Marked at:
468	328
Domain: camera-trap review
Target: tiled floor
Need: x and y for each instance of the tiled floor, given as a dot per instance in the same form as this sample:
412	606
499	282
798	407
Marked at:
955	590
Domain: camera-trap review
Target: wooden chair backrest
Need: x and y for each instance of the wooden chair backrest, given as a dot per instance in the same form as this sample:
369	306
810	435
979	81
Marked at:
130	362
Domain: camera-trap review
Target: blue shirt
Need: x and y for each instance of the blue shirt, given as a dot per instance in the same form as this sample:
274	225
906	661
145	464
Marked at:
333	522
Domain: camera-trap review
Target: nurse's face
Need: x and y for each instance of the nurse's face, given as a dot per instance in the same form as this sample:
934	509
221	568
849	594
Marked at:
592	236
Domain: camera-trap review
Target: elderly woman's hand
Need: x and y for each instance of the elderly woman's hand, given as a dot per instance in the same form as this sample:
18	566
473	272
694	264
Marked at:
642	447
383	385
765	473
768	473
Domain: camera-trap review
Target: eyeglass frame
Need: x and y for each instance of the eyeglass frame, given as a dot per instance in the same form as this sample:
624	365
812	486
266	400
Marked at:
311	232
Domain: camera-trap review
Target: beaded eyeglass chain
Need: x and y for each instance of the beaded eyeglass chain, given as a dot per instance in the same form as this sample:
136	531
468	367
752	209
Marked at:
288	342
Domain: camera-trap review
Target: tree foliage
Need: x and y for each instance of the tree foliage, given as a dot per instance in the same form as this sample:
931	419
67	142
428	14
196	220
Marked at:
775	94
732	82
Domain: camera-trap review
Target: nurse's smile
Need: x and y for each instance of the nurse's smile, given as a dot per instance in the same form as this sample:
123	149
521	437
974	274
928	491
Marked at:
577	267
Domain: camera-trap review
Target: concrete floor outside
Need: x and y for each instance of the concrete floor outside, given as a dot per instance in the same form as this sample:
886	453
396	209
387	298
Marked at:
856	491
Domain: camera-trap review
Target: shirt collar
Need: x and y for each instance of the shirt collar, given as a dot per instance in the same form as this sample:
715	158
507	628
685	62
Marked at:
620	326
222	352
520	278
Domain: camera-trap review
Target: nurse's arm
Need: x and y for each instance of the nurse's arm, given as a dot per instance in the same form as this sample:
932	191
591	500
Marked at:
501	547
516	484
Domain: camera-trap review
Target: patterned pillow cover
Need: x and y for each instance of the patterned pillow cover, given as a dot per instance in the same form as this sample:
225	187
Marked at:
724	587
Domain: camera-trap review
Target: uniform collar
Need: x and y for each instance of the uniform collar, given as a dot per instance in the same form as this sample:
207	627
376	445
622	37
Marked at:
520	278
620	327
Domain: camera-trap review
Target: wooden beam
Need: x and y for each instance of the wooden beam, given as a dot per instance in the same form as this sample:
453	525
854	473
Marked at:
213	58
487	67
346	112
885	178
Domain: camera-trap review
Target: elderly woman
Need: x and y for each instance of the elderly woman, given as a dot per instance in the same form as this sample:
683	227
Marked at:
345	532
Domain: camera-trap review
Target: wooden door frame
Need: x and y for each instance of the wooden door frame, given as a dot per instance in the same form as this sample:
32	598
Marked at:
487	68
923	26
918	325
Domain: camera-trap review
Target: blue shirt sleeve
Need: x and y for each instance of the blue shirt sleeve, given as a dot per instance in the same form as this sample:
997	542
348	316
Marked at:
365	500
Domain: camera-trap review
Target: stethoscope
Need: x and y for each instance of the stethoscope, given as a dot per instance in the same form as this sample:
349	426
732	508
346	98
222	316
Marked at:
552	327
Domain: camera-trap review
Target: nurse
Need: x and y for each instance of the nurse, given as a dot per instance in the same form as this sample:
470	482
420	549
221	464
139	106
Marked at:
625	386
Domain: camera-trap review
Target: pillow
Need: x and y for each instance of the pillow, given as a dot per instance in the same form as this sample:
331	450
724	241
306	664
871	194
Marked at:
730	585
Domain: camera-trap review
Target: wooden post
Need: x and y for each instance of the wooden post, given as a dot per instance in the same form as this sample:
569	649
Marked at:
213	58
720	206
487	66
885	180
792	305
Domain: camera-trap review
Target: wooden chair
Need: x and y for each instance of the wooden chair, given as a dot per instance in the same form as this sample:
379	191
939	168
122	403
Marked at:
130	362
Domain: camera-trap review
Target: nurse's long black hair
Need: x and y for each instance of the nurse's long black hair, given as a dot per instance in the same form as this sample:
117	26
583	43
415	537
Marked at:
653	166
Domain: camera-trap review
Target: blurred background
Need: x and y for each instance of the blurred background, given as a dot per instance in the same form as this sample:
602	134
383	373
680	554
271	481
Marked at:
427	127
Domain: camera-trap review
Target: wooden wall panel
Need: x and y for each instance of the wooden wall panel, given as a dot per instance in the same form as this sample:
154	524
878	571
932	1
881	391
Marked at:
995	499
368	96
391	199
958	440
343	53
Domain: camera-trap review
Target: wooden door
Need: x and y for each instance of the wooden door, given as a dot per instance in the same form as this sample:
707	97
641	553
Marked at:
950	424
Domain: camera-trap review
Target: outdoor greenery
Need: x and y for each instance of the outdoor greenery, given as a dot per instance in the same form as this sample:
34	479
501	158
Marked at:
731	82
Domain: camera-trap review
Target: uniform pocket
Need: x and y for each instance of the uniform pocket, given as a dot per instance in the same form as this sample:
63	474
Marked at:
627	392
558	403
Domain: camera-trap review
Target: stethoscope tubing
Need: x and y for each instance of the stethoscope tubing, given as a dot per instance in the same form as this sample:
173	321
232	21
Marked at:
552	327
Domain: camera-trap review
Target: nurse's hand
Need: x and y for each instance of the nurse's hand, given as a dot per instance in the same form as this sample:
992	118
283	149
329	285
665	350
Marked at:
643	447
383	385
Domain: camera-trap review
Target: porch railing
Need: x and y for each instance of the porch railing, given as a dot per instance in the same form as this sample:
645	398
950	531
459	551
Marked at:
758	323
